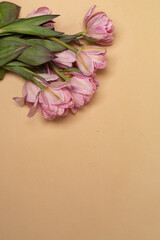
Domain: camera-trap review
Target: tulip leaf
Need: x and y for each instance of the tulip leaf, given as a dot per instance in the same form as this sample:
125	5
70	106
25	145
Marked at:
36	55
14	38
30	30
2	72
19	71
67	38
49	44
16	64
8	12
36	21
10	50
5	34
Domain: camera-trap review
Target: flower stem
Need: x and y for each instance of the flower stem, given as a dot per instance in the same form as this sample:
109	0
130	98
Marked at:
59	73
80	33
64	44
40	85
26	74
35	81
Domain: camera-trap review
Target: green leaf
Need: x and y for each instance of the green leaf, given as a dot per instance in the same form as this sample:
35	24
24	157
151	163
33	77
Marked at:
19	71
10	50
49	44
36	55
15	39
31	30
36	21
16	64
8	12
67	38
2	72
5	34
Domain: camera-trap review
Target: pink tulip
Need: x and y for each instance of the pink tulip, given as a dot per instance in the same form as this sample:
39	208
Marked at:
39	12
98	27
82	89
54	101
90	59
65	59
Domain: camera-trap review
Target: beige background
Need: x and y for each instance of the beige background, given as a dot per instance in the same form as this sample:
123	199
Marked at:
94	175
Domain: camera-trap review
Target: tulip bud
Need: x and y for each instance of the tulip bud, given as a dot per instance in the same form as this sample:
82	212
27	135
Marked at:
98	27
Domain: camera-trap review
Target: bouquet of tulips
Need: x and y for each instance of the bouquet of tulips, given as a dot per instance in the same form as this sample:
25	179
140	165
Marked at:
59	76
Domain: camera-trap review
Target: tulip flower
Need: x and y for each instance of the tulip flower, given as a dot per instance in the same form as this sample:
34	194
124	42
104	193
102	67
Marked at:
82	89
40	12
98	27
64	59
90	59
54	101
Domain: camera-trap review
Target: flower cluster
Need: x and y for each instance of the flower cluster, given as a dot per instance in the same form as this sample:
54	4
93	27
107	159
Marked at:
59	77
58	96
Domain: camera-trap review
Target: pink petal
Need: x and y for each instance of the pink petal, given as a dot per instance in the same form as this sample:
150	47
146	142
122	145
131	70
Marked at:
51	97
85	63
74	109
33	109
20	100
106	41
80	85
48	69
88	14
58	85
78	100
98	19
45	114
67	55
39	12
94	50
99	61
65	59
49	77
96	33
31	91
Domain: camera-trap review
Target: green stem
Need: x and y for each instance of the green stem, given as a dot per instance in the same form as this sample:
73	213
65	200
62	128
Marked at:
40	85
80	33
60	74
26	74
64	44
